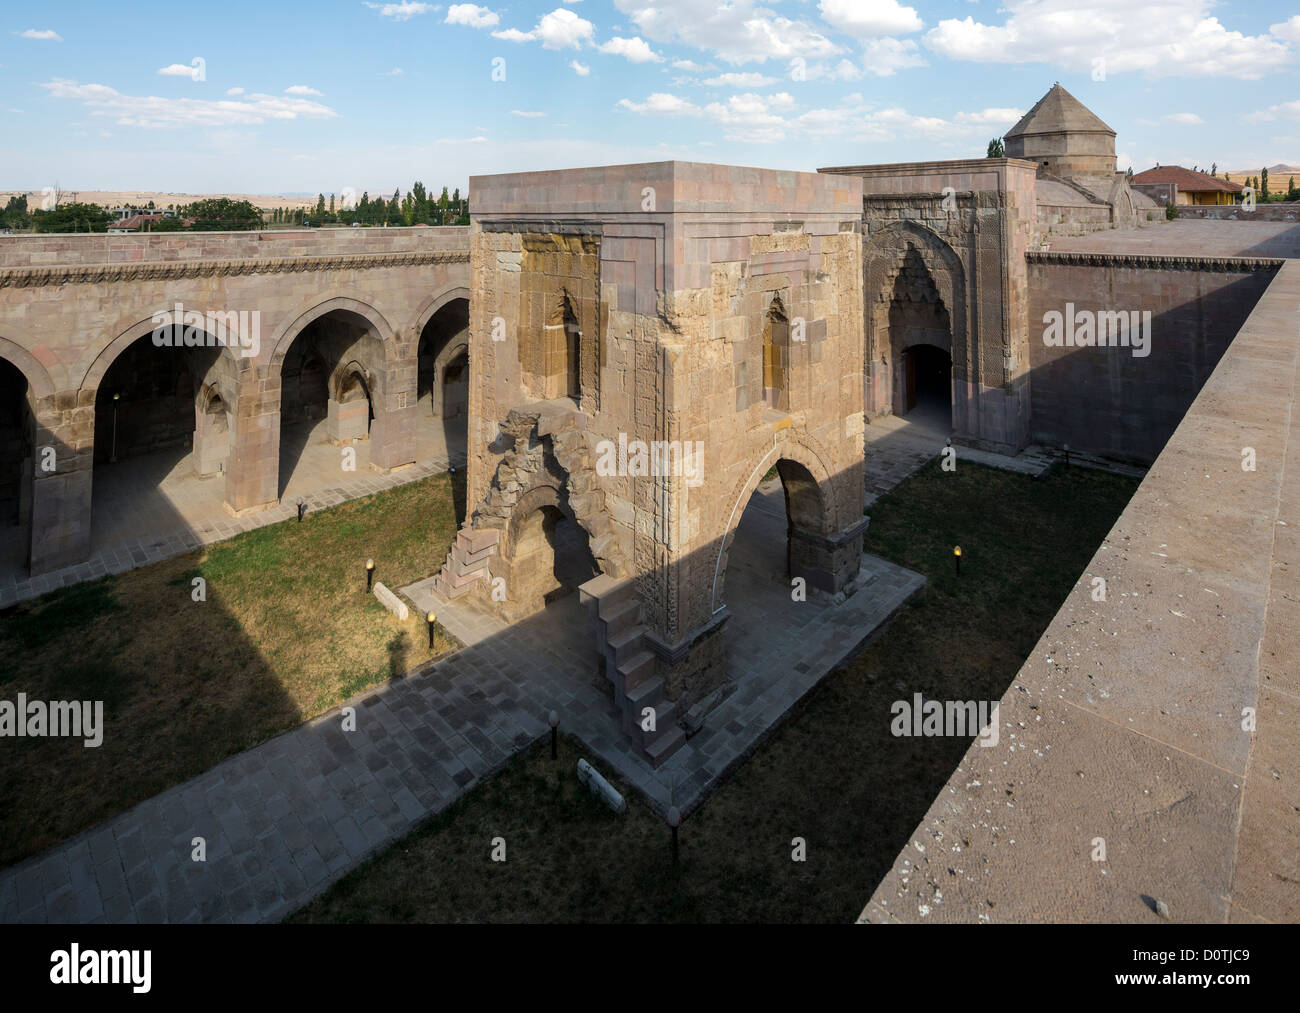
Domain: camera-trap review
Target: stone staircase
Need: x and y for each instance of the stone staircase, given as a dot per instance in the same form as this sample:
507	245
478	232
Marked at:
467	562
630	667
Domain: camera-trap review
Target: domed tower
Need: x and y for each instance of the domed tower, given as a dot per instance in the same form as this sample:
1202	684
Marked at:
1064	137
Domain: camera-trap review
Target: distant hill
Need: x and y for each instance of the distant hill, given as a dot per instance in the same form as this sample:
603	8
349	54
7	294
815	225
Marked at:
1282	169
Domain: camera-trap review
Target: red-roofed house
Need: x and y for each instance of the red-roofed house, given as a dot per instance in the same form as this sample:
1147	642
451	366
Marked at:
1192	187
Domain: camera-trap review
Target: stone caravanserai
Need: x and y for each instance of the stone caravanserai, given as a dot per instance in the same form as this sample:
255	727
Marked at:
644	345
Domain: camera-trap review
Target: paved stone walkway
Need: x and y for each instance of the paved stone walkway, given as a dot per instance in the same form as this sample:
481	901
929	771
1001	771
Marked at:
285	819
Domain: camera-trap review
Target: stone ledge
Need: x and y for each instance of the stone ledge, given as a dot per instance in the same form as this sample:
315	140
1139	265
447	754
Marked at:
92	274
1155	260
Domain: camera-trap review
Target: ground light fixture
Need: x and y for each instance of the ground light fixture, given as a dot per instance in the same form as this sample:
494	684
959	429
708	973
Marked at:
302	509
430	619
956	555
674	821
370	574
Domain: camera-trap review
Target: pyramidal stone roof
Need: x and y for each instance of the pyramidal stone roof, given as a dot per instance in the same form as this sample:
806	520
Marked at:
1058	111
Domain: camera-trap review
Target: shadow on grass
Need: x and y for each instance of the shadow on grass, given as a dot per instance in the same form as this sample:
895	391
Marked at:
832	777
283	630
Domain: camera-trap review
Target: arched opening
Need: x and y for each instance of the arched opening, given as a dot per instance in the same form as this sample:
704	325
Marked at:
17	441
162	432
329	377
776	357
928	386
779	538
920	344
443	386
547	554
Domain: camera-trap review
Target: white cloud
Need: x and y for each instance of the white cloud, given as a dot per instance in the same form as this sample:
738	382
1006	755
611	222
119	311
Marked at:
300	89
884	57
870	17
153	111
768	119
990	117
176	70
560	29
738	31
472	15
528	113
637	50
581	69
403	11
1185	119
750	80
43	34
1283	110
234	91
1288	30
461	140
1170	37
395	72
692	65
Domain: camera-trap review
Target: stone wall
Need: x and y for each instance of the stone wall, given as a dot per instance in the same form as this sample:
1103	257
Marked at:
70	306
690	262
1235	212
1109	401
971	223
1126	721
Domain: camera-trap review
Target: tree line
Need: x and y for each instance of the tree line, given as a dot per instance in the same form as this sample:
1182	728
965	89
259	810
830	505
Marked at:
221	214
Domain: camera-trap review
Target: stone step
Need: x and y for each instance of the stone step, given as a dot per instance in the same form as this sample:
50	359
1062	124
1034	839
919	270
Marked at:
458	579
637	669
664	747
597	589
621	617
447	592
626	644
665	722
461	558
478	540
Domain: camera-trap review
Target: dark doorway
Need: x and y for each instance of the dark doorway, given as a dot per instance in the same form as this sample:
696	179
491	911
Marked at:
927	373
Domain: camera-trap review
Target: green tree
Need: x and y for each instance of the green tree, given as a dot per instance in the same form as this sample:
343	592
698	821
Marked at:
221	214
74	217
320	206
15	214
1291	192
1263	185
997	148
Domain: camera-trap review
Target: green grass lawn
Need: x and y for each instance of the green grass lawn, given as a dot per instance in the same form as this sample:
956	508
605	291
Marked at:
832	775
287	632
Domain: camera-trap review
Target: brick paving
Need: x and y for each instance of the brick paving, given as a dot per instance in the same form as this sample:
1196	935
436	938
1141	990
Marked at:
286	818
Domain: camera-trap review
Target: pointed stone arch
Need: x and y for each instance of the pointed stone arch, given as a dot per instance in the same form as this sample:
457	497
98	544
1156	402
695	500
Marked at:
918	256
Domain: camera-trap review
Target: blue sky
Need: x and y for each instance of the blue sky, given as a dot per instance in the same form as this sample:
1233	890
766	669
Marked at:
291	97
